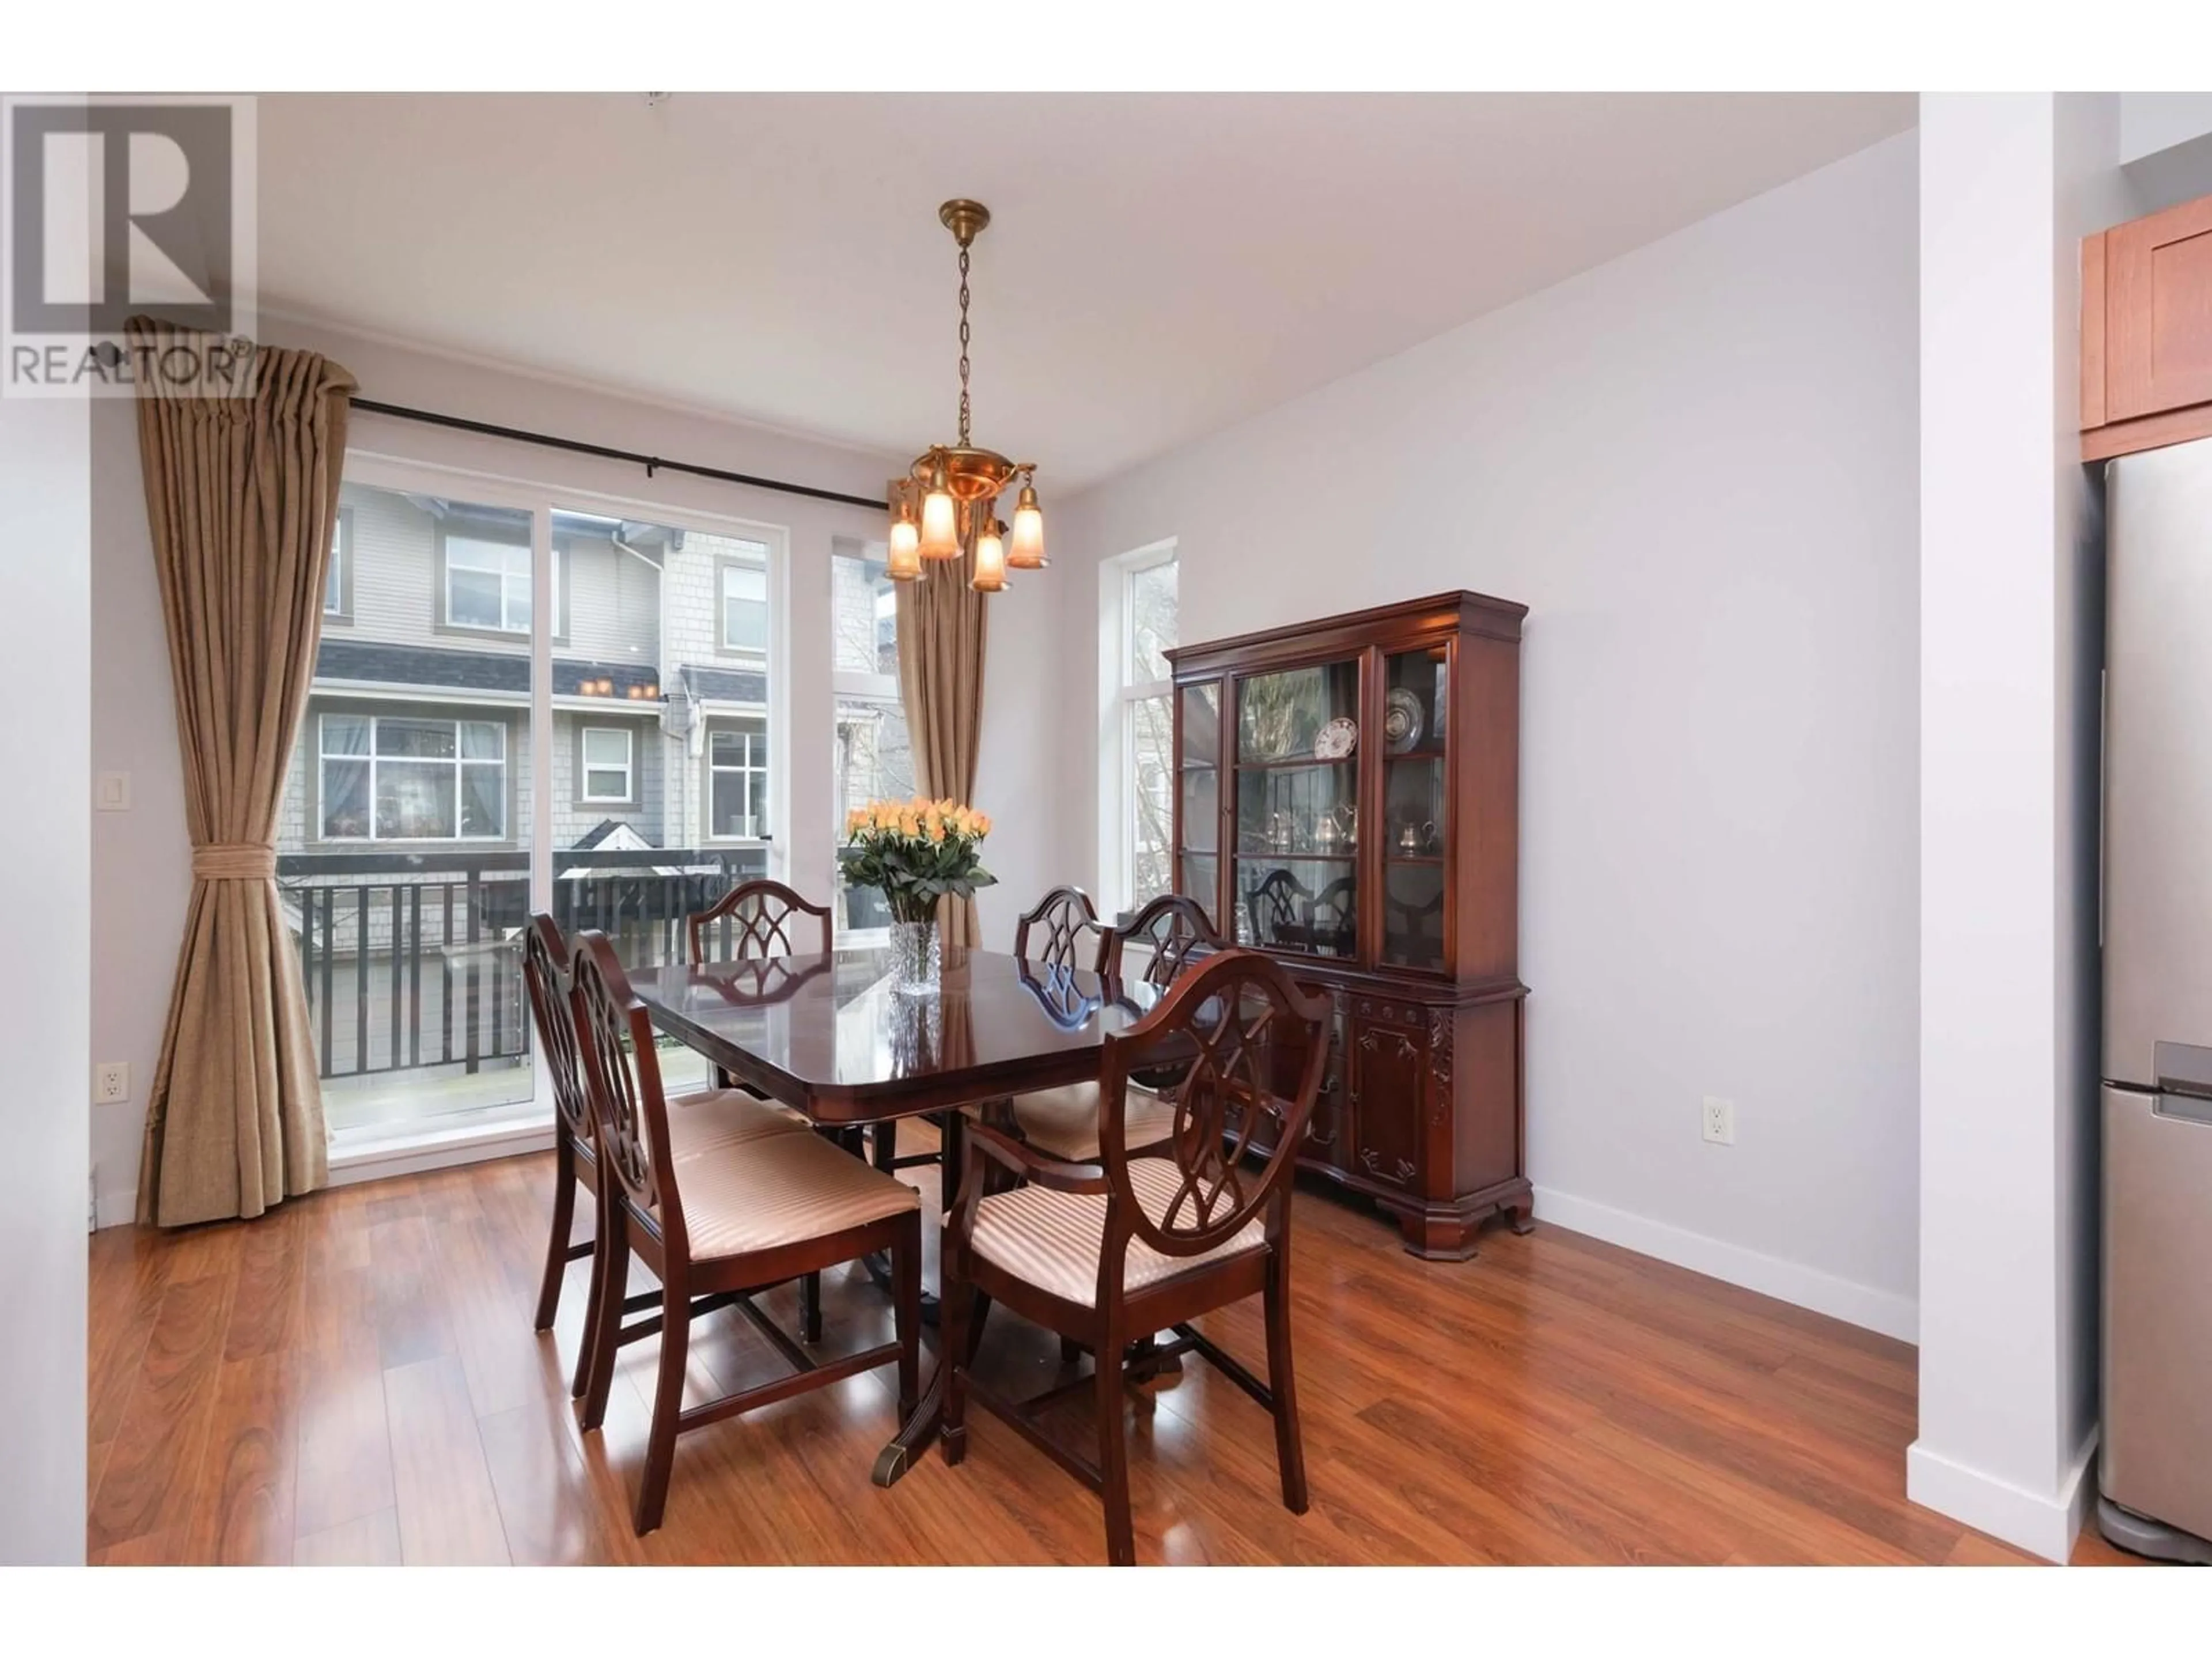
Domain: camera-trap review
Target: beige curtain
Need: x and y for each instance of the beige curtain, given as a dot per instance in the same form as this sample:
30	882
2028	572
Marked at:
241	495
940	642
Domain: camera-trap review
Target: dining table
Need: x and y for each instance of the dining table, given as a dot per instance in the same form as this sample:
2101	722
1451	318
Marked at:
833	1037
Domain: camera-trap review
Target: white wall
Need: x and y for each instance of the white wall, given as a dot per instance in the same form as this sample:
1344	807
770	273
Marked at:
2153	121
1696	466
45	982
141	860
2012	622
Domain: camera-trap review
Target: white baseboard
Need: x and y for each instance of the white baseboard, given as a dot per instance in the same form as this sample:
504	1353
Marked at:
2045	1524
1864	1305
117	1207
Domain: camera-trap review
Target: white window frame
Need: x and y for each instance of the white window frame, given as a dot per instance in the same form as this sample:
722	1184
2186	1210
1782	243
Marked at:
869	690
371	759
508	578
334	578
1118	696
588	766
723	572
760	774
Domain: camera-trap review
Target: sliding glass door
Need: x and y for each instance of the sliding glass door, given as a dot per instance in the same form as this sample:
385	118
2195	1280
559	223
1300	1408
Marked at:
404	849
522	702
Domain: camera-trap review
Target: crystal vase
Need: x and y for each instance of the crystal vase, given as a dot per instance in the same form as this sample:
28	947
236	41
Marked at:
917	957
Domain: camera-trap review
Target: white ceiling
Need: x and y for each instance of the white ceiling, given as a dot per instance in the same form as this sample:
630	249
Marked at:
1158	266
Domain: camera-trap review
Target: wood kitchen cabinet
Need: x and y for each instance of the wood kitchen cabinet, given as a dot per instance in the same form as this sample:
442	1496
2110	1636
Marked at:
2147	332
1347	799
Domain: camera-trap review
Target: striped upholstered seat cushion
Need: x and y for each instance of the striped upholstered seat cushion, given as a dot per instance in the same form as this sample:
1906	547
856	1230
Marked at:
723	1117
1063	1123
779	1189
1051	1239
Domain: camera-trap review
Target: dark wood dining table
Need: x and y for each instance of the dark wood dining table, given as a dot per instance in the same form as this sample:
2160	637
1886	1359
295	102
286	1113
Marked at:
829	1037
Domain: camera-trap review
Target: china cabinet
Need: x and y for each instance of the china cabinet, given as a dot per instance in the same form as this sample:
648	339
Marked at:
1347	799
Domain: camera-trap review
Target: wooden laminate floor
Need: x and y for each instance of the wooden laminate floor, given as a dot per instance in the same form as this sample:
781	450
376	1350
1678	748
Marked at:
352	1379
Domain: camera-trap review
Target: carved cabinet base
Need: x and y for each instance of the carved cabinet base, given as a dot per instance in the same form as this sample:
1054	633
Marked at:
1420	1107
1446	1231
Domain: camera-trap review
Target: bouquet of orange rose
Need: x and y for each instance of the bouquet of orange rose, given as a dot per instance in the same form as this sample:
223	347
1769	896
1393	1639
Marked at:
918	851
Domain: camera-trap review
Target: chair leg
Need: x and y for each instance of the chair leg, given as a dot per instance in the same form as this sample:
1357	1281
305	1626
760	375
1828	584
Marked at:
556	1245
606	1323
956	1307
1071	1351
667	1400
593	1296
1113	1451
1290	1454
884	1146
906	1272
810	1307
952	1151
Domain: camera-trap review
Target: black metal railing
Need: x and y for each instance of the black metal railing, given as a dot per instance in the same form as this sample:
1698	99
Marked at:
413	960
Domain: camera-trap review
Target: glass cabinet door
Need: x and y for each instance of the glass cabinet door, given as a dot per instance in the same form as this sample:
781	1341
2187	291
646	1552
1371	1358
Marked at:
1198	804
1416	825
1298	818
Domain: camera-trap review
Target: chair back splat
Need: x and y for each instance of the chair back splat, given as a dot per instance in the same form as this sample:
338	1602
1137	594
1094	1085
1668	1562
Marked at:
622	1073
1172	928
545	971
1247	1047
757	919
1062	932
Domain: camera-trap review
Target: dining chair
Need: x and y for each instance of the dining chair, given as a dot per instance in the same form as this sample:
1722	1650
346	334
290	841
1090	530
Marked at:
1065	1122
1061	932
719	1223
1172	932
754	919
763	918
1149	1240
695	1122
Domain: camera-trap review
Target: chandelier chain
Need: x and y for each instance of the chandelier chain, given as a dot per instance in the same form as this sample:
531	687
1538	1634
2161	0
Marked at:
963	345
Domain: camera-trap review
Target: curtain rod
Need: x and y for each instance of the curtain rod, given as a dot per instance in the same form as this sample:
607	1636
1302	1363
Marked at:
651	464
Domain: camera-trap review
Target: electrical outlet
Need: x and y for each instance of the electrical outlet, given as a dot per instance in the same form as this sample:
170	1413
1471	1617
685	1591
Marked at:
111	1082
1720	1121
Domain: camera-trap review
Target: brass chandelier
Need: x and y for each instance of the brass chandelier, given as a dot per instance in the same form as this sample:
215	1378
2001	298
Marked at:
948	503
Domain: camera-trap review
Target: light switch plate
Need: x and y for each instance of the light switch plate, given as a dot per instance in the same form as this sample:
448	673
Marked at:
111	791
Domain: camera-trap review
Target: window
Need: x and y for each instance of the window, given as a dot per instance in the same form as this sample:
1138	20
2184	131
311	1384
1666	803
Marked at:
743	601
1139	627
487	585
338	580
399	778
737	779
414	836
875	756
609	772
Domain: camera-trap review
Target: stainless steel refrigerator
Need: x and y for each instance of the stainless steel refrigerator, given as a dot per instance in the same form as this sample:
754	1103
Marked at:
2155	1465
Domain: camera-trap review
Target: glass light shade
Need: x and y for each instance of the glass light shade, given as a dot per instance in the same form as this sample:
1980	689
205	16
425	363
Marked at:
940	534
904	563
990	574
1027	552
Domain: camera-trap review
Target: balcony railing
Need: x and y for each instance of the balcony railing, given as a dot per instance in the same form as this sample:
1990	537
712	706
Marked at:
413	960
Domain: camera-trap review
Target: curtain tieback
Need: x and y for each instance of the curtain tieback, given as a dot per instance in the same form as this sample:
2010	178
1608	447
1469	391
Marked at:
235	860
